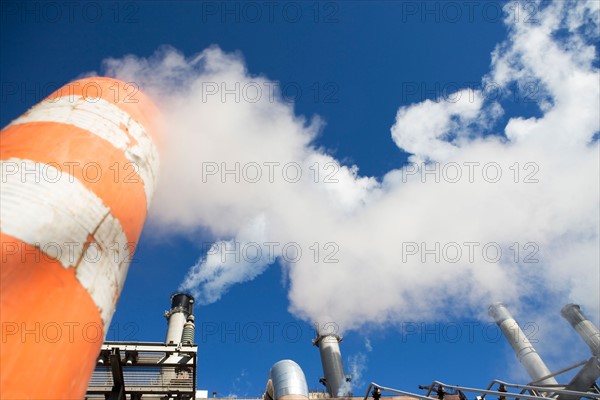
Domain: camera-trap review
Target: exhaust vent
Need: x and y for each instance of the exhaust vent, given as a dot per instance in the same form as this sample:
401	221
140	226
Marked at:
521	345
182	307
331	359
584	327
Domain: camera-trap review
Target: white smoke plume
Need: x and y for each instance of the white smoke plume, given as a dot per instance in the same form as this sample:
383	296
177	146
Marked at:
356	367
405	249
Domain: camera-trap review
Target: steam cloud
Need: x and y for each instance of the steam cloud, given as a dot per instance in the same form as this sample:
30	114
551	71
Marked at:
377	229
356	365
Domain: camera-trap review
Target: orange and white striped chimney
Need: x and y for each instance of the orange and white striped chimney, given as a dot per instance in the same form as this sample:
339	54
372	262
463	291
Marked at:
78	173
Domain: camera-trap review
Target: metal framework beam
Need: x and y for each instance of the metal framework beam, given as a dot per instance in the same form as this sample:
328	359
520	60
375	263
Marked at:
156	370
118	389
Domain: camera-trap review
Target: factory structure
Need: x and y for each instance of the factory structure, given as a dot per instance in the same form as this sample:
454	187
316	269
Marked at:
68	234
138	370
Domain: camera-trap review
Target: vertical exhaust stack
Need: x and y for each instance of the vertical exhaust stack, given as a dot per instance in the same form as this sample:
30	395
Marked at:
584	327
180	315
180	332
333	368
78	174
522	347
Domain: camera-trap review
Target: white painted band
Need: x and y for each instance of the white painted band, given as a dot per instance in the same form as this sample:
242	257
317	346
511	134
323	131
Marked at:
61	217
108	122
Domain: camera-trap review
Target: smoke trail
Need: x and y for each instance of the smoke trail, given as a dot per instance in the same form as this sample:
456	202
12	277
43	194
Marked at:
356	365
478	215
228	262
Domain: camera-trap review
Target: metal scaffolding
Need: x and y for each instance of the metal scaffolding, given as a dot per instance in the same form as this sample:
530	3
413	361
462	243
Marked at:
133	370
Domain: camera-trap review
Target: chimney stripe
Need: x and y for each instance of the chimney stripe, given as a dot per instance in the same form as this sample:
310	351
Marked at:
109	122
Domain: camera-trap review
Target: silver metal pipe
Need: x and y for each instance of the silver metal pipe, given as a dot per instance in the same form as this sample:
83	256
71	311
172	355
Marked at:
584	327
401	392
333	368
542	389
182	306
286	382
521	345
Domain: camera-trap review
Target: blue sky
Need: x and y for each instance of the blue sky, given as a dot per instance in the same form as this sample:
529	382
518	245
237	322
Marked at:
354	65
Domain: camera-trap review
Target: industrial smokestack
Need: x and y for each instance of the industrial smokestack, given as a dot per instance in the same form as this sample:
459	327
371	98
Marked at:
78	174
182	307
522	347
180	331
333	368
588	332
286	382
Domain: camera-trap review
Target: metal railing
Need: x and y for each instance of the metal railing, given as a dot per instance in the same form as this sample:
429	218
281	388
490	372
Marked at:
538	391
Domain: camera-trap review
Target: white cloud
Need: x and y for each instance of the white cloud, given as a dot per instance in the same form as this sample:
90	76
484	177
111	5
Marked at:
366	224
422	129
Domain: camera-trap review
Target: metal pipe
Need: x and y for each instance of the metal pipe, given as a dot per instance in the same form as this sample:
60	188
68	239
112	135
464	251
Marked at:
542	389
333	368
182	306
520	343
584	327
286	382
401	392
